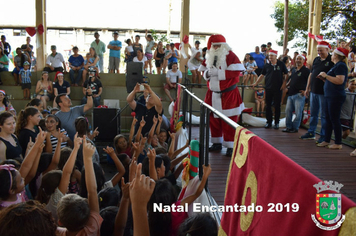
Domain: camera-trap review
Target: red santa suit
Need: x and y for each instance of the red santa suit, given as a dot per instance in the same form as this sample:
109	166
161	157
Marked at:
223	93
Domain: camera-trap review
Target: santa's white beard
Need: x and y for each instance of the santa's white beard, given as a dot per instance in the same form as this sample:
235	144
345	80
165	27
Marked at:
219	53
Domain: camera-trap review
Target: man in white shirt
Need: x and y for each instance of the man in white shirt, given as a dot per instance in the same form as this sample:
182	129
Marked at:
173	77
55	61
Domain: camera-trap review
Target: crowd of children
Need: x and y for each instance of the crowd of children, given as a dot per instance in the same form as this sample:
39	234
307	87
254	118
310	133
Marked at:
55	189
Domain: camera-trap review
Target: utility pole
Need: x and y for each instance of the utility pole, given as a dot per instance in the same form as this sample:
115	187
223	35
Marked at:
184	30
41	40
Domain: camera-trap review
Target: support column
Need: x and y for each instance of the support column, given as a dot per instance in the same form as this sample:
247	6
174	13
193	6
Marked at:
184	30
41	40
315	9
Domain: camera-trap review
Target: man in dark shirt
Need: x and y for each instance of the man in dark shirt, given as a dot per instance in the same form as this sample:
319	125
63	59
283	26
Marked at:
6	45
315	87
275	73
296	91
153	107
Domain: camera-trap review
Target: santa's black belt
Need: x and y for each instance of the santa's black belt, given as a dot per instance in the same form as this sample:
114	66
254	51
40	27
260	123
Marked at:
226	90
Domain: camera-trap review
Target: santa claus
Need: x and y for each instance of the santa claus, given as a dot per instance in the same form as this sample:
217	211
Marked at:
222	70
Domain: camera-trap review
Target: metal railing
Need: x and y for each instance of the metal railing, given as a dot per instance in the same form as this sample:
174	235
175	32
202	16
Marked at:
205	111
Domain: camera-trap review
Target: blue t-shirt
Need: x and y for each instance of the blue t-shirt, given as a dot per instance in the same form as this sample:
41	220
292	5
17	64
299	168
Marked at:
336	90
68	118
76	61
173	59
25	76
259	58
115	53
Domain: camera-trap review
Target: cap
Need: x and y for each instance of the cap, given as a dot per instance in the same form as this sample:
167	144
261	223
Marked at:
26	63
115	32
197	42
53	47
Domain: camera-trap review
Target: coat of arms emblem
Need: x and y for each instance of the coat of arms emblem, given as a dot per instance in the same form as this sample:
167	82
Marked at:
328	206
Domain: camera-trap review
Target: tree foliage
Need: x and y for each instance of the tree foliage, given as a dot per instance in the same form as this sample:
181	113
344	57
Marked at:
338	20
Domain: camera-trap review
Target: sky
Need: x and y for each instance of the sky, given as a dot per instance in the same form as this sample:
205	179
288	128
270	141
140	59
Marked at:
245	24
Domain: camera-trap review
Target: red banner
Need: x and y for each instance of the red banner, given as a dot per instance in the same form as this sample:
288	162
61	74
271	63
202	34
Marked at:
279	191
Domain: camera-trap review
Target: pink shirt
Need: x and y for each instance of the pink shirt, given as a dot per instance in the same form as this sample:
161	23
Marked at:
21	197
92	228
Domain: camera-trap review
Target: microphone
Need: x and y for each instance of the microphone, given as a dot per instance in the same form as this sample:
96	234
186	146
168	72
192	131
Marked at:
215	59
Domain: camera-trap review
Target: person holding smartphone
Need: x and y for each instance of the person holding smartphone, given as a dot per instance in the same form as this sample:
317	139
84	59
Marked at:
96	87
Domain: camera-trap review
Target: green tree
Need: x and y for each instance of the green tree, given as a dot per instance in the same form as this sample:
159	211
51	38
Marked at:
159	37
338	20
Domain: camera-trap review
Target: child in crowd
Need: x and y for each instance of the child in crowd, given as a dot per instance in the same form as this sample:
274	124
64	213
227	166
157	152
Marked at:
250	73
260	100
12	187
128	51
99	174
75	177
167	55
25	80
167	223
55	183
149	48
77	215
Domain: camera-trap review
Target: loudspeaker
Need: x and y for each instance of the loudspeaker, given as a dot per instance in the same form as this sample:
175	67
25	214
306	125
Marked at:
133	75
108	125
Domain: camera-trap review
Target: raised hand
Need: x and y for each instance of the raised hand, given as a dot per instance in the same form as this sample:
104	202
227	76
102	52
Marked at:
109	150
77	140
142	122
88	148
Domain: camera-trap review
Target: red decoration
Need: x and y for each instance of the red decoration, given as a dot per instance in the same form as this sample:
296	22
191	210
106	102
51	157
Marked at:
133	114
40	29
185	39
31	31
176	45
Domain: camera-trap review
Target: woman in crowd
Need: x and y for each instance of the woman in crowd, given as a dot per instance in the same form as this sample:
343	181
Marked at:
4	61
136	45
25	127
159	57
334	94
60	86
148	51
141	58
44	89
5	105
9	144
93	62
129	51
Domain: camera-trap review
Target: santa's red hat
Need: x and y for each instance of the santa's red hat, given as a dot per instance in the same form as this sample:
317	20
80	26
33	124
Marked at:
216	39
273	52
342	52
56	76
323	44
3	92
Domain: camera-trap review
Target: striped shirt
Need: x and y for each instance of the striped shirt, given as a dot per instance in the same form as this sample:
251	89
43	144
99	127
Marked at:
25	76
54	142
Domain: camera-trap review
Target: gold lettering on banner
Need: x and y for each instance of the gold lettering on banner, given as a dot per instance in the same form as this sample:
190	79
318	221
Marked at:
246	219
240	151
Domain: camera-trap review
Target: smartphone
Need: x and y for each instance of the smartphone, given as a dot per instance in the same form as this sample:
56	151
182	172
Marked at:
142	87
